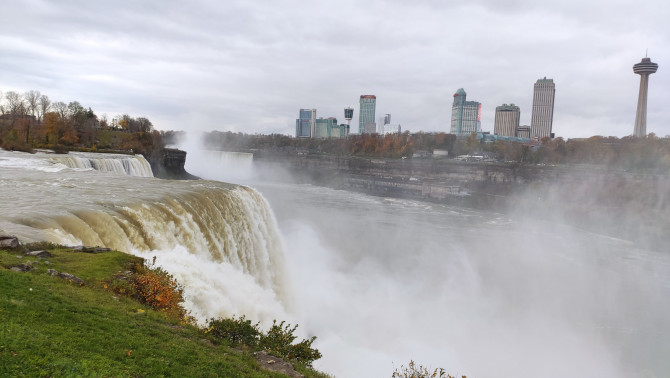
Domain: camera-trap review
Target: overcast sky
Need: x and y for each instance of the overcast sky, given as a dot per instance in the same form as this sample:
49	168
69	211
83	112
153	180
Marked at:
251	65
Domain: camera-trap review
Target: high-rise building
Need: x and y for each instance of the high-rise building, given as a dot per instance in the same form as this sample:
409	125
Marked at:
366	114
327	128
645	68
306	123
507	120
466	116
542	116
387	119
342	131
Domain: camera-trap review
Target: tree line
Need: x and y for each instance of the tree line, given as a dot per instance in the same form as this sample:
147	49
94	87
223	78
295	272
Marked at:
650	152
32	120
371	145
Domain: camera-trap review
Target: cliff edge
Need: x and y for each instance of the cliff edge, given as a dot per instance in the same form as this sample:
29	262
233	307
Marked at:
168	163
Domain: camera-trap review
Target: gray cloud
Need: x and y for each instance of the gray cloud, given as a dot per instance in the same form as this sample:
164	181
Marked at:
249	66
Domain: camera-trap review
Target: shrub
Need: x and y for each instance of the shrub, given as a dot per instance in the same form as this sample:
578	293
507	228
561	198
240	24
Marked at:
277	341
160	290
414	371
238	331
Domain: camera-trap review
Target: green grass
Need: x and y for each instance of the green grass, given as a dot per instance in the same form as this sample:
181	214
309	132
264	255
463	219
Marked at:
51	327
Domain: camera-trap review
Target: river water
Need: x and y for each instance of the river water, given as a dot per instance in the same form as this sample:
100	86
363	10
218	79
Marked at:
380	281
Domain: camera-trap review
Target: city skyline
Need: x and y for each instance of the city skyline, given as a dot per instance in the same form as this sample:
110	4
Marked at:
194	72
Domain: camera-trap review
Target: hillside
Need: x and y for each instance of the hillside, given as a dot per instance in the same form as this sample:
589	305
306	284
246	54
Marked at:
54	325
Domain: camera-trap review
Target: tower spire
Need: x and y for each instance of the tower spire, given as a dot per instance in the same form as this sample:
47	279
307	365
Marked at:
645	68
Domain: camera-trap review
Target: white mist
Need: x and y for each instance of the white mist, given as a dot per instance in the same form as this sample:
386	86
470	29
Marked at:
383	281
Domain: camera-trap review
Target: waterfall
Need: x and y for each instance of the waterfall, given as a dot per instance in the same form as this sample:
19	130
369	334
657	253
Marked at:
224	166
219	240
129	165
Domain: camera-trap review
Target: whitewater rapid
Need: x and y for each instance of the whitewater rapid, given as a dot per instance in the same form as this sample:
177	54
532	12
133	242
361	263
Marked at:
219	240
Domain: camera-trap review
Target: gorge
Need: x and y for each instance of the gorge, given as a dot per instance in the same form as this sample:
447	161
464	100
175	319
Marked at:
380	280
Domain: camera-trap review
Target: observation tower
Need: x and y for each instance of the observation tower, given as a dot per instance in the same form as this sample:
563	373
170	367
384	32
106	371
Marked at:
645	68
348	114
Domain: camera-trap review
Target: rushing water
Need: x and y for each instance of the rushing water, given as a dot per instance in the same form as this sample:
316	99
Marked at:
380	281
219	240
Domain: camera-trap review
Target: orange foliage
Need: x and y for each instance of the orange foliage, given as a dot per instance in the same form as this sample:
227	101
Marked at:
160	290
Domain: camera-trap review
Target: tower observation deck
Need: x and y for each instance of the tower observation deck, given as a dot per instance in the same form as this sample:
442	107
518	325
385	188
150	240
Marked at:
645	68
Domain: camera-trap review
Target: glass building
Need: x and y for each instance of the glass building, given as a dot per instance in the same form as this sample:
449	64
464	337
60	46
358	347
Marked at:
305	124
465	115
328	128
366	114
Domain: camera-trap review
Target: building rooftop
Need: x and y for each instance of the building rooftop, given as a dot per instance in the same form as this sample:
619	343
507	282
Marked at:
507	107
545	80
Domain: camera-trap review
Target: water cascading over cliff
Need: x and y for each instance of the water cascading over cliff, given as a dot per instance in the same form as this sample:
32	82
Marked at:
131	165
219	240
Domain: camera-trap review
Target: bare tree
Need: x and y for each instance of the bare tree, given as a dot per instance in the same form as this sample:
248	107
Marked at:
61	108
104	122
44	106
144	125
32	100
15	103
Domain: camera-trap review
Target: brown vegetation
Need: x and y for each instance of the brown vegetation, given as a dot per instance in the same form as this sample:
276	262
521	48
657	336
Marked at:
32	121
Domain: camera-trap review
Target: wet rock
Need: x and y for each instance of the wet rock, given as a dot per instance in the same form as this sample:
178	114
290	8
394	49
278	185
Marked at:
276	364
66	276
41	254
25	267
9	242
81	248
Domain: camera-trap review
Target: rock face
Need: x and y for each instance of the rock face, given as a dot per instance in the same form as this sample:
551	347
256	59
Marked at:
9	242
276	364
169	164
438	180
26	267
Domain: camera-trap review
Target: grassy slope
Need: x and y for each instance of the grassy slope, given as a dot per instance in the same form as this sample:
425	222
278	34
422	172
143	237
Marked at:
50	327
